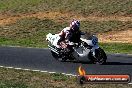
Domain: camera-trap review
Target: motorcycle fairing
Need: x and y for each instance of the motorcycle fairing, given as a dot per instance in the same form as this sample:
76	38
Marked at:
53	39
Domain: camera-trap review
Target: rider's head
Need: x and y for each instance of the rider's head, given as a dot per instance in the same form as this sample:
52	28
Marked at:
75	25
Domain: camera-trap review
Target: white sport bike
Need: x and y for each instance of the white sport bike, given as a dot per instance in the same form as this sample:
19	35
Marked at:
88	47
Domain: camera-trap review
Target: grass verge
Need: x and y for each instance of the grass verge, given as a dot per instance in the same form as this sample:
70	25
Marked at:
84	7
124	48
11	78
31	32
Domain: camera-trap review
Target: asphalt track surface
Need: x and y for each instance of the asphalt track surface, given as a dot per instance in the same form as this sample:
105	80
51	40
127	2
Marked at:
41	59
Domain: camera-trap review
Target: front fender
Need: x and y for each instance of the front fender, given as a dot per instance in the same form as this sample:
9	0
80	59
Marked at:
96	46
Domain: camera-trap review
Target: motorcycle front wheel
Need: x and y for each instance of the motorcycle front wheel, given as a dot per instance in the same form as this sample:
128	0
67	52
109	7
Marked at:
99	58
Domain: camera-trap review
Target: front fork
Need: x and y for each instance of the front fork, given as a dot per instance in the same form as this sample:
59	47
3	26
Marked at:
93	50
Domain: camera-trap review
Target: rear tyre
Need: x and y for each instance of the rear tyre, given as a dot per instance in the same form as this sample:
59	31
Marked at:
57	57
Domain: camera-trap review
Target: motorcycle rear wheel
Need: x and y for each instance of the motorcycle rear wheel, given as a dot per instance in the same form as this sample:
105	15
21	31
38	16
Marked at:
57	57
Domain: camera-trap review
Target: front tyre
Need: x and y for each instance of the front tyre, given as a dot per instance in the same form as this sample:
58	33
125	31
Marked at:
99	58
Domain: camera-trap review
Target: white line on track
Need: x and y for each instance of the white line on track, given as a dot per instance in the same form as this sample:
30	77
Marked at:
8	67
41	71
36	70
26	69
1	66
52	72
18	68
24	47
130	83
44	71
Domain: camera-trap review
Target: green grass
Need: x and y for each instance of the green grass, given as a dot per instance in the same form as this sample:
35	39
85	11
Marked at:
11	78
104	26
124	48
28	32
84	7
18	6
11	84
31	32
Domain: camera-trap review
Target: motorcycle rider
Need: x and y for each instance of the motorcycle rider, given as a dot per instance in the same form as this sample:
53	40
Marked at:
71	33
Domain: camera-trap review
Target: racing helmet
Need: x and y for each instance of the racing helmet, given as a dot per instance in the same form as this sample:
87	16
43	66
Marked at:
75	25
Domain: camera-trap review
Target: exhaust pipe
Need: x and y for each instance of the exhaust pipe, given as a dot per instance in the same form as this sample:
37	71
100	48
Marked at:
52	49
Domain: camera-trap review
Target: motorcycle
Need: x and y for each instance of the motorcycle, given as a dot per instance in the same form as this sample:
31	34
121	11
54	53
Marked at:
87	47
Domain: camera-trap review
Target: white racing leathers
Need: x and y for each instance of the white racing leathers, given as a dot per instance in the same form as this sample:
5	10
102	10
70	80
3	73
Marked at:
53	39
65	32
